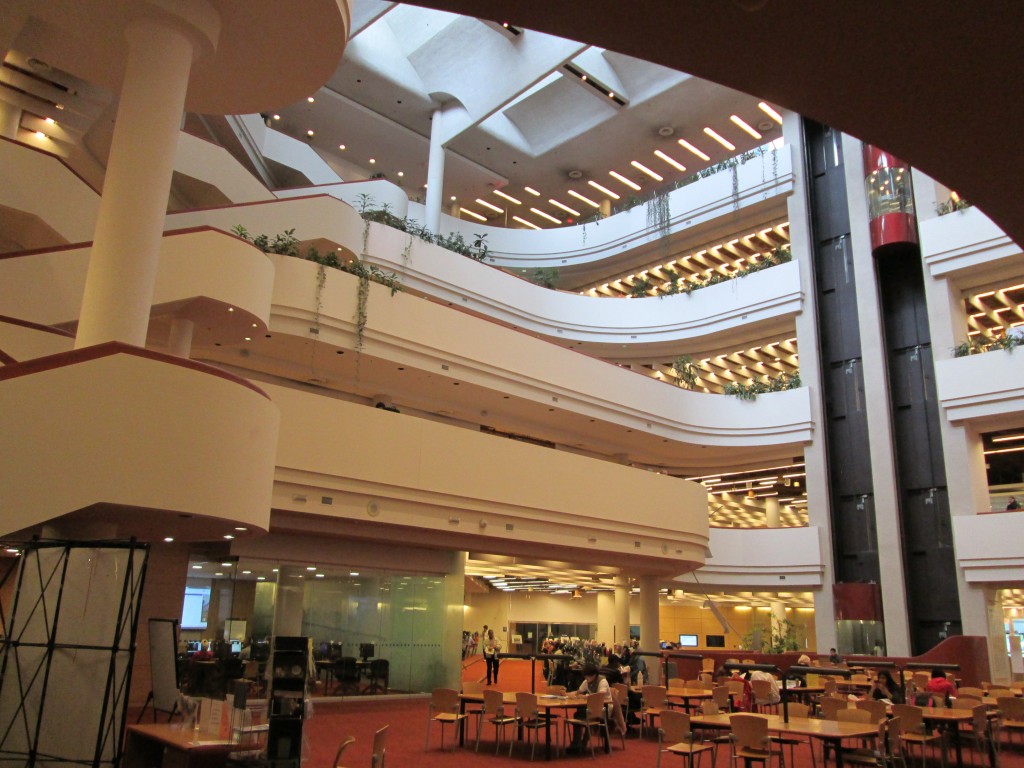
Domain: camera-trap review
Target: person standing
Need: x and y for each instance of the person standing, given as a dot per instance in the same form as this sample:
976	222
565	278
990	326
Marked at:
492	647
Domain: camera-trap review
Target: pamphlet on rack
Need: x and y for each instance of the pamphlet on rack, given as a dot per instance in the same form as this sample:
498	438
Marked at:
214	722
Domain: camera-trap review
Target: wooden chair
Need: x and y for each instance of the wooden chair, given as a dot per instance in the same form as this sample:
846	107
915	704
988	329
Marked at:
829	705
444	709
528	716
493	712
623	690
652	704
345	743
1012	708
736	690
914	730
876	708
762	691
720	695
593	720
795	710
619	701
676	736
710	707
750	742
886	752
976	693
983	734
380	744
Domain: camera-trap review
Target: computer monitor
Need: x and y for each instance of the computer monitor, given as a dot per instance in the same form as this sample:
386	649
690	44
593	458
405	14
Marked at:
687	641
366	650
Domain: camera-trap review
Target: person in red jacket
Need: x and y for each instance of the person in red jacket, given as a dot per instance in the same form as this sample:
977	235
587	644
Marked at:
940	684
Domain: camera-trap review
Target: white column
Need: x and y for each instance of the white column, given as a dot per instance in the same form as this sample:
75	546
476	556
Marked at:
179	340
778	619
605	617
435	172
126	245
771	512
622	611
650	633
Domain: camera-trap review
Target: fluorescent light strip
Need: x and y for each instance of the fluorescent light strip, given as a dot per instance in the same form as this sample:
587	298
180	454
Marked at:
606	191
624	180
511	199
648	171
727	144
547	216
1007	438
485	204
532	191
678	166
687	145
565	208
770	112
474	214
586	200
742	124
1005	450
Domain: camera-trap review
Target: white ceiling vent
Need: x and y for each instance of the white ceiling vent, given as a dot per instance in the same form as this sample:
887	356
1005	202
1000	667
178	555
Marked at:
666	131
575	174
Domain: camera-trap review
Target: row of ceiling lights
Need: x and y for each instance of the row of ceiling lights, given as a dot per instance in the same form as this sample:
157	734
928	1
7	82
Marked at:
609	193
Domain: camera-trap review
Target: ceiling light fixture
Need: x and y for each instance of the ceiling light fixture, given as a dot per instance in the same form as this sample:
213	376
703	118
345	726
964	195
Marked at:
341	146
485	204
400	174
40	135
607	191
742	124
310	99
724	142
687	145
565	208
277	117
770	112
547	216
624	180
586	200
372	160
511	199
648	171
530	224
310	133
678	166
474	214
532	191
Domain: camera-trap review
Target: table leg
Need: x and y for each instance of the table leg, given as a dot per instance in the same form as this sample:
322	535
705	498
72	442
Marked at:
462	722
547	735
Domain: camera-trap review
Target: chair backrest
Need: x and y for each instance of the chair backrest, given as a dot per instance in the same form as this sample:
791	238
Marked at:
977	693
720	694
830	686
997	693
854	716
709	707
859	678
653	696
345	742
380	668
799	710
472	686
921	680
345	669
875	707
526	706
623	690
735	687
749	731
675	726
1011	707
380	747
494	702
979	721
707	664
911	717
967	702
676	682
829	705
595	706
692	684
445	700
762	689
555	690
706	680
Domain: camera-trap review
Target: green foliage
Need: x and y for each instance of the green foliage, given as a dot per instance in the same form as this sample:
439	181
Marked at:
687	371
780	255
953	204
778	638
659	214
454	241
545	277
641	287
761	386
1007	342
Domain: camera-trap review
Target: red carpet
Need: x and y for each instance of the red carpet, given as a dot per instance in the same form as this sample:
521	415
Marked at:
408	721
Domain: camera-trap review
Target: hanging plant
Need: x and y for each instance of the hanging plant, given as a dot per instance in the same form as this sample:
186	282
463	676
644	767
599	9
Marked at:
362	296
735	188
659	214
687	371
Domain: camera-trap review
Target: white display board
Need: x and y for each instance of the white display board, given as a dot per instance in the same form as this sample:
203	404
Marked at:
163	651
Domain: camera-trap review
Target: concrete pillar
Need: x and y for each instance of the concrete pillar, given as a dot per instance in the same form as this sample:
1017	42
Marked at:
126	244
771	512
622	611
288	601
10	120
778	619
605	617
650	632
605	207
435	173
454	600
179	340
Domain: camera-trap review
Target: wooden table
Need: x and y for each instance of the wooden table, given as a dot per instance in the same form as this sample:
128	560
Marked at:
830	731
544	703
686	694
170	745
950	720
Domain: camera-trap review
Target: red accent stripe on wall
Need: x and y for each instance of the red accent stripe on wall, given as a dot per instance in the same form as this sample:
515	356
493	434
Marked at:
111	348
36	326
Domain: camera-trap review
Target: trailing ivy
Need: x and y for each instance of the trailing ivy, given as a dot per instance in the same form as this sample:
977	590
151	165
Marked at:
687	371
477	250
780	255
761	386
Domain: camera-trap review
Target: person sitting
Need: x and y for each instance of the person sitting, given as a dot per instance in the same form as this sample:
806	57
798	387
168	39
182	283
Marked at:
773	695
1012	504
834	657
614	672
884	687
594	683
940	684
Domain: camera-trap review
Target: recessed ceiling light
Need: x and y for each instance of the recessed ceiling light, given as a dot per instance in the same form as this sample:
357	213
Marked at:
671	161
274	570
218	573
310	133
724	142
648	171
530	224
228	536
607	191
611	94
565	208
246	573
353	573
50	121
770	112
532	191
168	539
485	204
474	214
277	117
261	578
547	216
453	198
341	146
585	199
241	528
511	199
401	174
624	180
231	309
197	567
248	338
310	567
687	145
226	565
319	575
40	135
743	124
310	99
372	161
